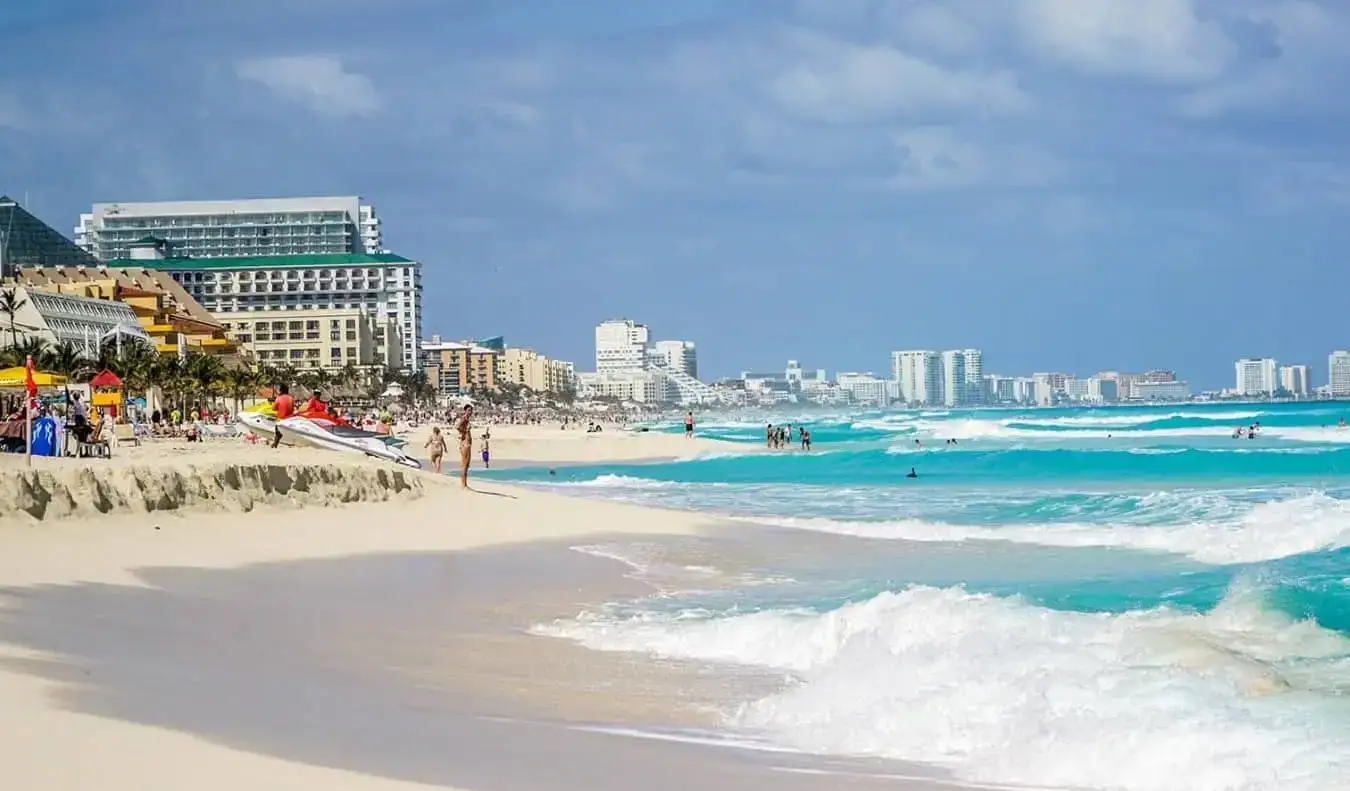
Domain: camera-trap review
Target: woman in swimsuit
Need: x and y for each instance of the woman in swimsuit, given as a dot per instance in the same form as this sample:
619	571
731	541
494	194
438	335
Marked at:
465	427
436	444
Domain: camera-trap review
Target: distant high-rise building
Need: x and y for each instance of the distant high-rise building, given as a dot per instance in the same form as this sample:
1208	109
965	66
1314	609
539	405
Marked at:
680	356
954	378
234	228
621	347
919	375
1294	380
1256	376
1048	387
1338	373
1161	391
974	384
864	388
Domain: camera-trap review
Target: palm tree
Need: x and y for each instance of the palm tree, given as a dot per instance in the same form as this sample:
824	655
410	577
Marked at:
31	346
241	382
348	379
69	361
377	381
10	305
205	372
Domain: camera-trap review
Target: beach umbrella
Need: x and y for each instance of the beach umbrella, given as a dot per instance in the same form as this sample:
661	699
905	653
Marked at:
19	376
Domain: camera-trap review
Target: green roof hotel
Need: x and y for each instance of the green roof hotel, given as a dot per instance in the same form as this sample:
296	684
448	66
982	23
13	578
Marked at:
286	254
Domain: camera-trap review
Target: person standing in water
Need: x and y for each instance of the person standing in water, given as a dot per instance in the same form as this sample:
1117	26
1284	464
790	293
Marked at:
464	427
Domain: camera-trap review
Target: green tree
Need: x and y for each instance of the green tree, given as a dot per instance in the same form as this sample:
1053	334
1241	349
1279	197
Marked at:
10	305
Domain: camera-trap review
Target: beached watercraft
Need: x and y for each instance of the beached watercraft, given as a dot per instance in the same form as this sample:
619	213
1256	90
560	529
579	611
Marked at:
311	432
323	432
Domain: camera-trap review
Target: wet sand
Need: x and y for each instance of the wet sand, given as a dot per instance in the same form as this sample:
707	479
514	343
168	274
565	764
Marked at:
405	667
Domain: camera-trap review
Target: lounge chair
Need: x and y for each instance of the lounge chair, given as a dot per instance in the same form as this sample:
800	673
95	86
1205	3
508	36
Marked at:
125	432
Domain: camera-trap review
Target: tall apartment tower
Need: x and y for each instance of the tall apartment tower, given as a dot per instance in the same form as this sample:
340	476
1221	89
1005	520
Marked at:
919	376
621	346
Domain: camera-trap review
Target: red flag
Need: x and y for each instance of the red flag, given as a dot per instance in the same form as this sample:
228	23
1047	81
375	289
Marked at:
28	378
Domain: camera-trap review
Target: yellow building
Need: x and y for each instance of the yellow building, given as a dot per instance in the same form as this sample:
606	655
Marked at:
455	368
175	321
533	370
316	337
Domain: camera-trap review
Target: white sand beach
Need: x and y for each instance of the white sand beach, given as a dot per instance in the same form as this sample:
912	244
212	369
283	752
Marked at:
222	616
548	444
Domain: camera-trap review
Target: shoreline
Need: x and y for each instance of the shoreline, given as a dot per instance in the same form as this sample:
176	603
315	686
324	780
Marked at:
281	641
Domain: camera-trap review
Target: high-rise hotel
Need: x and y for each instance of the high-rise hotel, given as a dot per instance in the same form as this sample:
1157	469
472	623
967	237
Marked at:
234	228
245	259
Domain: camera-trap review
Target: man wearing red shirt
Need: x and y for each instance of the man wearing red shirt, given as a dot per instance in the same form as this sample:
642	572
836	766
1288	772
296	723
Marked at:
285	406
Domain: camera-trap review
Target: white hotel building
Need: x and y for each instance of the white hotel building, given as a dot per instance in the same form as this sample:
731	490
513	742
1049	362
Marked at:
1256	376
270	254
234	228
385	286
1338	373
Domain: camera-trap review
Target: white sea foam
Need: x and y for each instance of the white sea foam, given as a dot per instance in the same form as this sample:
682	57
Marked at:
1002	691
1268	531
1336	434
1130	419
973	429
610	481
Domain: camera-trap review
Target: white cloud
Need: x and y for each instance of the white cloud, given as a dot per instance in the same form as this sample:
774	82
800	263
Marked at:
320	81
834	80
1159	39
936	158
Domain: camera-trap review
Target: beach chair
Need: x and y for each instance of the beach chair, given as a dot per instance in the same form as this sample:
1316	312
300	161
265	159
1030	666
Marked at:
97	446
125	432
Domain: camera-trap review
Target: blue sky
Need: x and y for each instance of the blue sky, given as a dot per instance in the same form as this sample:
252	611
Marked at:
1067	184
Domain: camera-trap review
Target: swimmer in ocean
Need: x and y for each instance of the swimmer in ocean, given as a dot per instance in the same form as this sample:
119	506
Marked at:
913	473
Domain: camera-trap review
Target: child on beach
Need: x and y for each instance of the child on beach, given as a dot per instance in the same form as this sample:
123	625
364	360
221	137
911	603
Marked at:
487	437
436	444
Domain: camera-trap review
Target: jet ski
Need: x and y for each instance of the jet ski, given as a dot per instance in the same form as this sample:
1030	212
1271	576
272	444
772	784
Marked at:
325	432
310	432
261	419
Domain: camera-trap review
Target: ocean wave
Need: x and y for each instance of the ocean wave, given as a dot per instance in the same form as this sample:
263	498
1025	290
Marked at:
1002	691
1268	531
611	481
1334	434
976	429
1125	419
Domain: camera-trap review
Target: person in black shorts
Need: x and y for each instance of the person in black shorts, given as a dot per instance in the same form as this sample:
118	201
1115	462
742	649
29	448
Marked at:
689	425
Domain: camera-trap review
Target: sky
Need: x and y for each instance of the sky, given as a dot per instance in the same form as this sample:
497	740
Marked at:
1068	185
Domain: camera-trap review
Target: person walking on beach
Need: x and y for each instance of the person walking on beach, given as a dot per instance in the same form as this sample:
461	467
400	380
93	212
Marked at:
487	438
464	426
689	425
436	444
768	436
285	407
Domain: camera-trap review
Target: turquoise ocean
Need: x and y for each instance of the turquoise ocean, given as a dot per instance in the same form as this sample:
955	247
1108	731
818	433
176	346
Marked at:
1097	598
